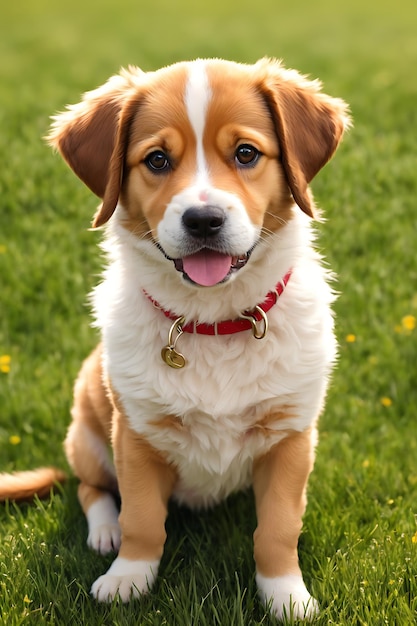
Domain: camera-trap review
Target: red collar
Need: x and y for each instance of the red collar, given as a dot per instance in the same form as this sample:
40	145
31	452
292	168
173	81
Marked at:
229	327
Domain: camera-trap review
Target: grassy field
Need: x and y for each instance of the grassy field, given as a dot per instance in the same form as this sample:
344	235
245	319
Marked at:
359	545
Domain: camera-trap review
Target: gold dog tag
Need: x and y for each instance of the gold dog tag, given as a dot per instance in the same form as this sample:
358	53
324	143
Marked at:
172	357
169	355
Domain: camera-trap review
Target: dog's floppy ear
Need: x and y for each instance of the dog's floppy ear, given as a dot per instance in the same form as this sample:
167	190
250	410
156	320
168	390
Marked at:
309	125
89	137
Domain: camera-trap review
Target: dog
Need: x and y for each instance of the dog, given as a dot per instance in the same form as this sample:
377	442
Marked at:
215	315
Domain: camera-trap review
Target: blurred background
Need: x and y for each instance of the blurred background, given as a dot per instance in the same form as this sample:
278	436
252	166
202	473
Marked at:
59	49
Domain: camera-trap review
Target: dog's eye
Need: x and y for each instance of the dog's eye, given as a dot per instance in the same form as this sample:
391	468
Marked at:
157	161
246	155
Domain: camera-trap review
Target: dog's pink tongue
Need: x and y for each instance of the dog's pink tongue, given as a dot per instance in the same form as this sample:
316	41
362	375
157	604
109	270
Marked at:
207	267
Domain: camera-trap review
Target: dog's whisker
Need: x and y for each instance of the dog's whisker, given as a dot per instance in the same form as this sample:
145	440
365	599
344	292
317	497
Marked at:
278	218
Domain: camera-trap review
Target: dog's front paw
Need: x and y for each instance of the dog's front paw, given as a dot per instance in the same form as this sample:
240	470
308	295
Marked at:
287	597
105	538
126	579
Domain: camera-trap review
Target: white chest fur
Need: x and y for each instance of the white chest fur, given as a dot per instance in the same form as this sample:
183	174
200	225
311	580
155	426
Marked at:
218	402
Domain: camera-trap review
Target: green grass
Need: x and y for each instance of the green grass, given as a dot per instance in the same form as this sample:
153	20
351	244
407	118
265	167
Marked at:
356	550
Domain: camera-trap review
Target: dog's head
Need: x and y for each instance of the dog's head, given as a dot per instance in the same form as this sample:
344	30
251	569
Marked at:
202	156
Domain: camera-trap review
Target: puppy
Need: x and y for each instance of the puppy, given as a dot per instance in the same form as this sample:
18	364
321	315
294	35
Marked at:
215	310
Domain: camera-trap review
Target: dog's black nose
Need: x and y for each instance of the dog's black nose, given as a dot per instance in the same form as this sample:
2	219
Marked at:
203	222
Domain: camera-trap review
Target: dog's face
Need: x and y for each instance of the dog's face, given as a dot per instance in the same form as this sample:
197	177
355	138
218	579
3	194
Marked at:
203	173
204	157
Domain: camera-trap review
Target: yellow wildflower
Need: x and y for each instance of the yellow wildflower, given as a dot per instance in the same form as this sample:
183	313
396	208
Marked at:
351	338
27	600
408	322
385	401
14	440
414	538
5	361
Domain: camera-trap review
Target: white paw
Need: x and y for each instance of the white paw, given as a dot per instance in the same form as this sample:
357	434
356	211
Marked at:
126	579
105	538
103	527
287	597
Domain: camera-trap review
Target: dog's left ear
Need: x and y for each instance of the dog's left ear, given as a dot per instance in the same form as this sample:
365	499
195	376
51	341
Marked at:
309	125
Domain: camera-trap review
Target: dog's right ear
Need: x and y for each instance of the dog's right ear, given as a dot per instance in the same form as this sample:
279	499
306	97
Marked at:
88	137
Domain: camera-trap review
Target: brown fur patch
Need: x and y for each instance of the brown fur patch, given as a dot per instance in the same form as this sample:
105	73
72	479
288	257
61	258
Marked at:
267	424
168	422
92	404
89	434
236	115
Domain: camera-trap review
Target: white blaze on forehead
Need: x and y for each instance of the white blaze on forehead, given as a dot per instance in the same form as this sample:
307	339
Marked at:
238	234
197	98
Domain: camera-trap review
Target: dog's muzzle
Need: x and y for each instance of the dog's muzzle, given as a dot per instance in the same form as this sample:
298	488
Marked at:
207	262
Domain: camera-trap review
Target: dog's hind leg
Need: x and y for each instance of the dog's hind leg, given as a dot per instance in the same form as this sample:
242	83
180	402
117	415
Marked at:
87	450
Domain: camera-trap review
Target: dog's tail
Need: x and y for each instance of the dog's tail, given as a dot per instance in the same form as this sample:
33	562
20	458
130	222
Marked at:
22	486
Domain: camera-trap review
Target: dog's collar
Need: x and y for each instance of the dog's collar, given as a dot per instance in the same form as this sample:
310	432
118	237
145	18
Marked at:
247	320
255	320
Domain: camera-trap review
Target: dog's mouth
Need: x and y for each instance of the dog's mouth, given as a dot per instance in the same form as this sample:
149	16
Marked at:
208	267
